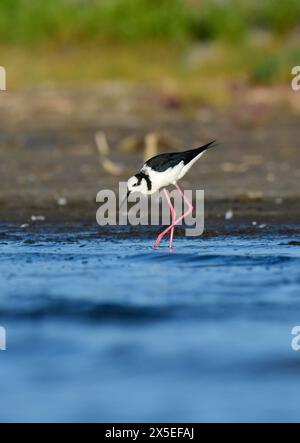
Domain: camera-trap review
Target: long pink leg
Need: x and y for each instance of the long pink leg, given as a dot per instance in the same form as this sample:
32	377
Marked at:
172	210
173	214
190	209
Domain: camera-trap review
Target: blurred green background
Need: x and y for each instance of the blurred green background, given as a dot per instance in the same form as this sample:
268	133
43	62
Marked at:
192	47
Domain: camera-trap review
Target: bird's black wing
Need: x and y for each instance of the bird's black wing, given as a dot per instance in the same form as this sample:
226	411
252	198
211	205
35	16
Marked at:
162	162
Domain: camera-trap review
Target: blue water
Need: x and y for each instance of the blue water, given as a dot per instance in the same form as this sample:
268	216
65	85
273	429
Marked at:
102	328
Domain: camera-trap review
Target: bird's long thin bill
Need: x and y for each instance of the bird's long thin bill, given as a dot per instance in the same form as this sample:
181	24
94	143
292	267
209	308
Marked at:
124	200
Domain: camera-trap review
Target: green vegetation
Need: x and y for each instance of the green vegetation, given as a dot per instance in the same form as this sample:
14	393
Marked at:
151	41
36	21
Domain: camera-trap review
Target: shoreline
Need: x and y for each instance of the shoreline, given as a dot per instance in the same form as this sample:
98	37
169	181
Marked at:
248	218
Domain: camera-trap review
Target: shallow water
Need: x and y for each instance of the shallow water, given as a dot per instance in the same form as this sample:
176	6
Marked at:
103	328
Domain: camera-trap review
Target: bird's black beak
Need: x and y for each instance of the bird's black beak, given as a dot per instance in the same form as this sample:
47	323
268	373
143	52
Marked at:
128	193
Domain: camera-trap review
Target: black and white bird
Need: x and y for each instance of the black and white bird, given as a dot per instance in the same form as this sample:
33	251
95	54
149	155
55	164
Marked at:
164	170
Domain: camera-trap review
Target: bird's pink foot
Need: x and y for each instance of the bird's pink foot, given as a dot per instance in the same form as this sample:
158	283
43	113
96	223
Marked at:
158	240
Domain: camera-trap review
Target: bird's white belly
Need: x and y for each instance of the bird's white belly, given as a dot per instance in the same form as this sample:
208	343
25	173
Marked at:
165	178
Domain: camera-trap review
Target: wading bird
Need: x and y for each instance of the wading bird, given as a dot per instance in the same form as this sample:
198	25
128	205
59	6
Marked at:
161	171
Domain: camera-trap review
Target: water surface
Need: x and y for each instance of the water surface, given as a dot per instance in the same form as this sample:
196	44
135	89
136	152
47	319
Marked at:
103	328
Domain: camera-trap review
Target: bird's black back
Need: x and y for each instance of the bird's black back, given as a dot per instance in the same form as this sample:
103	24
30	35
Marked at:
162	162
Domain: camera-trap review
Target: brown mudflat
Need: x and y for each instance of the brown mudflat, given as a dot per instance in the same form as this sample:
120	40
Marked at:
50	166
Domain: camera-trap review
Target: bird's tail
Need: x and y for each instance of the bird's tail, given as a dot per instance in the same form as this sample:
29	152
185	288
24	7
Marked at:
205	147
196	152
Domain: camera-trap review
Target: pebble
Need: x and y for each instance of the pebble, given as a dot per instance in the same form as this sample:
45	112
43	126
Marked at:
61	201
37	218
229	214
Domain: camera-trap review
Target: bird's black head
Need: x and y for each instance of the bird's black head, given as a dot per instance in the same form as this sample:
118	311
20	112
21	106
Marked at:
139	182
